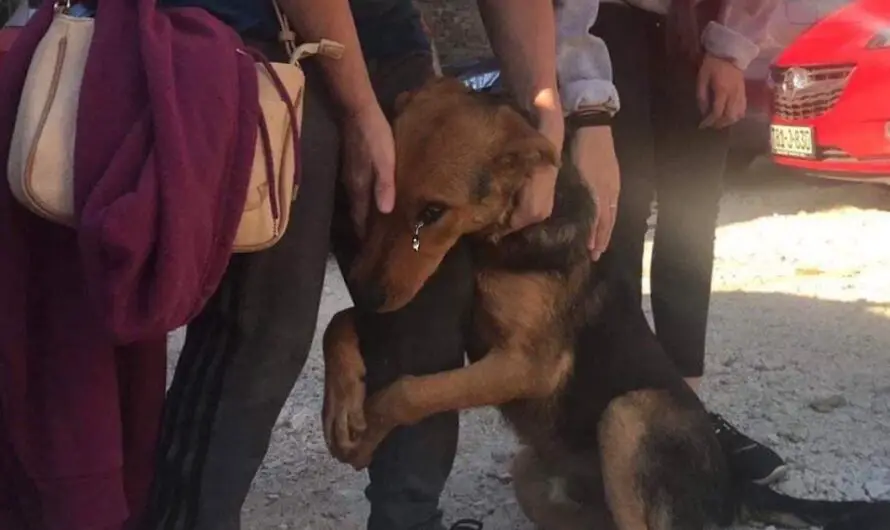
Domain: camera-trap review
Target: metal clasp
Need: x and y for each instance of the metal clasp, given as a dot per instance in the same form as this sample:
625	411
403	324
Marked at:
415	240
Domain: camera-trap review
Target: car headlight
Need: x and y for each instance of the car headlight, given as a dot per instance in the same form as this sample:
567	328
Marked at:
880	40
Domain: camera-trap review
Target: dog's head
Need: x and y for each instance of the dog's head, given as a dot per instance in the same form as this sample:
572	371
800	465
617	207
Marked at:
461	158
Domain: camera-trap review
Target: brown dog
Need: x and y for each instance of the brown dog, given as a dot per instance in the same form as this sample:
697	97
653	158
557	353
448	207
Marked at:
614	438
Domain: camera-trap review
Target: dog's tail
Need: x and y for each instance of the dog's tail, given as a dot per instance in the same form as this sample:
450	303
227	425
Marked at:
765	505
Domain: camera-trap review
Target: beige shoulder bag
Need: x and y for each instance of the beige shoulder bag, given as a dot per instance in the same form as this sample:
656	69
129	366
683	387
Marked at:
274	179
41	157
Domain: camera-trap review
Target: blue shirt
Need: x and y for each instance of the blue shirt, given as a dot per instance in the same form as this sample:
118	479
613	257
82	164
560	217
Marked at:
386	28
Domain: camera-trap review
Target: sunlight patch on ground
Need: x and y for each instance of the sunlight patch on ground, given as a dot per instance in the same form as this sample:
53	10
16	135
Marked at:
840	254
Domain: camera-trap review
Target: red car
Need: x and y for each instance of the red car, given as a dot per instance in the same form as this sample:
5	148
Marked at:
831	112
751	136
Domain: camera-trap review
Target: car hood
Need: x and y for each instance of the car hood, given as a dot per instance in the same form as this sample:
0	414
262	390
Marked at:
838	38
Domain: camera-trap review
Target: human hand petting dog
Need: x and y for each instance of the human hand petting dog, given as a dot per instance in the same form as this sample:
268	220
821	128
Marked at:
721	92
369	163
593	153
535	198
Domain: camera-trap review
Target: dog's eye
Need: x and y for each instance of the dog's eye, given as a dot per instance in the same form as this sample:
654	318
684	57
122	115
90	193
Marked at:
431	213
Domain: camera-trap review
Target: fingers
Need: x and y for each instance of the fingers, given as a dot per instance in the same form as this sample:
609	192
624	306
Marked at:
535	199
593	243
385	189
358	185
718	108
385	178
731	111
602	230
735	110
529	211
604	223
703	86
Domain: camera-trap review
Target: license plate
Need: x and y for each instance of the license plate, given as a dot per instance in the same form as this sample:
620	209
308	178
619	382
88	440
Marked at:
789	140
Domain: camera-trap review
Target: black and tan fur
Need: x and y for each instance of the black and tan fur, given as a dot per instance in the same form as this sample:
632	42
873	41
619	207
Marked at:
612	437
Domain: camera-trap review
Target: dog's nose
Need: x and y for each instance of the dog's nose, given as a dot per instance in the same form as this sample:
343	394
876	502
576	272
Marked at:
370	297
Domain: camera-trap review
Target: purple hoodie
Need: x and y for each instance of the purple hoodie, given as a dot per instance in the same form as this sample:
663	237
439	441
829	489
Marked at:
165	140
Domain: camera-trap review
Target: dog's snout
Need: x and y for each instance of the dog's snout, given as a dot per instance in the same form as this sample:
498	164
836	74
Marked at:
370	297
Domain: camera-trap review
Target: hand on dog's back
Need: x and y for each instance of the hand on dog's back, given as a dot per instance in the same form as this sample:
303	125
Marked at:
535	200
536	197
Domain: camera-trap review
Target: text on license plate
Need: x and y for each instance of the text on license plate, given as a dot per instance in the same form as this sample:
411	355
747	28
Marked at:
789	140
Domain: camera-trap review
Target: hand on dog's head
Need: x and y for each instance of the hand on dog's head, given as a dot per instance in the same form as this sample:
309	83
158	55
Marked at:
461	158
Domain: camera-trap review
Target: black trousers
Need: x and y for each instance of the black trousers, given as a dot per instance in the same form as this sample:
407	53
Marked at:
664	156
243	354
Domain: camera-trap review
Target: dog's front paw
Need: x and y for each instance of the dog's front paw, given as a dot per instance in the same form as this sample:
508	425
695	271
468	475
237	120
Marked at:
384	411
343	414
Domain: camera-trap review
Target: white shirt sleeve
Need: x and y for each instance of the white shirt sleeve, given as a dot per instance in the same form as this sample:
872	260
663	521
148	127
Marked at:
741	31
583	65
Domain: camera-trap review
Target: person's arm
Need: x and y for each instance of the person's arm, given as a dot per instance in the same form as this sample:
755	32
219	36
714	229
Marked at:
584	68
740	31
523	36
347	77
368	157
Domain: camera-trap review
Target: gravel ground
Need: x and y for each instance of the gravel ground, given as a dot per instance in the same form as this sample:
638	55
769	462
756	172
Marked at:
797	357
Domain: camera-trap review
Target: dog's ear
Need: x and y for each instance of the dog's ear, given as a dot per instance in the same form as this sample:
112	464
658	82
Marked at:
528	153
524	148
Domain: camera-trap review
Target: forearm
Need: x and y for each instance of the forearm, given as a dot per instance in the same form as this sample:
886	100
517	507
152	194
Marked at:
347	76
523	37
741	30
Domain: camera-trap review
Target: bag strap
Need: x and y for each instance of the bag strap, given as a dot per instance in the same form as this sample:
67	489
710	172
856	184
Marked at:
287	36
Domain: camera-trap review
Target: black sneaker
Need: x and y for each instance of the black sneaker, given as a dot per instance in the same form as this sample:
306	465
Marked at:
748	459
467	524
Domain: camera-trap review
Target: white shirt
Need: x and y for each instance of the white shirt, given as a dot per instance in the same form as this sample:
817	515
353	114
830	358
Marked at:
585	68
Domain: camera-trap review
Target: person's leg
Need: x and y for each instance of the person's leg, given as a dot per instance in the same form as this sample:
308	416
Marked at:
689	185
409	469
624	30
244	352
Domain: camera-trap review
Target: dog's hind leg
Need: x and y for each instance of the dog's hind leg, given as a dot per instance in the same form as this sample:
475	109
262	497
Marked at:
622	432
660	470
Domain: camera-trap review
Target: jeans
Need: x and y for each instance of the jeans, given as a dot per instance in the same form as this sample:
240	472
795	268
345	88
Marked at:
244	352
663	155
